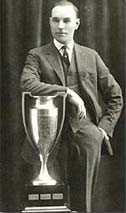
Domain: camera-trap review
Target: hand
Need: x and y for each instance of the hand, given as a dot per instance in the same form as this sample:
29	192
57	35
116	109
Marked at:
104	133
106	141
75	99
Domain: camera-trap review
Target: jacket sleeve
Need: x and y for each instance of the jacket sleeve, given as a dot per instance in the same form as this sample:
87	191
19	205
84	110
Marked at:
31	79
112	96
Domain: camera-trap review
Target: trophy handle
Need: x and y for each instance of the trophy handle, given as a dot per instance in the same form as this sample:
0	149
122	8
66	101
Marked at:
64	95
24	121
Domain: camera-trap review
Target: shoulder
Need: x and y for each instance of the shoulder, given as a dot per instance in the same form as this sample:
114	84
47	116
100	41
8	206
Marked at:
40	50
85	49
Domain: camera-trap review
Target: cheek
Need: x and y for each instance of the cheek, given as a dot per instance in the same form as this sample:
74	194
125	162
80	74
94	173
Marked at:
53	28
71	28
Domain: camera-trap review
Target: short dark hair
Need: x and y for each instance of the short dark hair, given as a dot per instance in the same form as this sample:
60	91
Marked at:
65	3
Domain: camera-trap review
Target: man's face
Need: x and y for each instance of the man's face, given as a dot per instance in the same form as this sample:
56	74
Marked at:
63	23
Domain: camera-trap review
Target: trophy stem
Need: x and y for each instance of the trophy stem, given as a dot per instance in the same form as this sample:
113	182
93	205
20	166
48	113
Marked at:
44	177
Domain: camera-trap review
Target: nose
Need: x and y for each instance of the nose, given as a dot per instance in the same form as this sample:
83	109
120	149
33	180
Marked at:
61	24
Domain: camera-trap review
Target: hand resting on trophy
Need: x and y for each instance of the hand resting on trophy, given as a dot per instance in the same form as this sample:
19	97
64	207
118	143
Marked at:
75	99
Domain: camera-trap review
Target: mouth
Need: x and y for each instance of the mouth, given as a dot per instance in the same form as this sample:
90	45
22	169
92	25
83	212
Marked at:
61	33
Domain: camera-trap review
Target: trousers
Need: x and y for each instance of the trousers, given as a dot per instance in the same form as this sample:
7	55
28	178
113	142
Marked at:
82	165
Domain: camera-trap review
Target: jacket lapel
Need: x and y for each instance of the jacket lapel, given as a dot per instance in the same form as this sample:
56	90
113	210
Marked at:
53	57
81	60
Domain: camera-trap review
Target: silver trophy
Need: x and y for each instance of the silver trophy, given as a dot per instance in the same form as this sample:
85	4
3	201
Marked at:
43	125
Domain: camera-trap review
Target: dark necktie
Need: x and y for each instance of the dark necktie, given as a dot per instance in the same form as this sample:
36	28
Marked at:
65	62
65	56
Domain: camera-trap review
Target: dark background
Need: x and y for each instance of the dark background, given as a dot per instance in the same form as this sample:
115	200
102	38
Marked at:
24	25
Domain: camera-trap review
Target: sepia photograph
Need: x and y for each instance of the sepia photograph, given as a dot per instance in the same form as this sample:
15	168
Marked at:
63	133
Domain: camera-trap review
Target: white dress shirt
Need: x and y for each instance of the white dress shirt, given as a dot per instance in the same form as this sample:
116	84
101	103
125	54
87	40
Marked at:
69	48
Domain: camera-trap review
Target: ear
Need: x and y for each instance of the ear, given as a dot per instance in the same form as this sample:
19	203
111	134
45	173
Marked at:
77	23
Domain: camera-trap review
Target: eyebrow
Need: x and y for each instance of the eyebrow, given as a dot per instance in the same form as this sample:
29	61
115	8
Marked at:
57	18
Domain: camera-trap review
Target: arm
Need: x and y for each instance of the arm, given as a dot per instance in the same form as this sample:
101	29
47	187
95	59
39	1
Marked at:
31	82
112	97
31	78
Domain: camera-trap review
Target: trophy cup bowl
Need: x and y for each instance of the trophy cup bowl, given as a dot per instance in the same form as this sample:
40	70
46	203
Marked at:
40	120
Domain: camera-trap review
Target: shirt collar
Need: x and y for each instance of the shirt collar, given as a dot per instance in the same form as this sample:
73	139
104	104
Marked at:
70	46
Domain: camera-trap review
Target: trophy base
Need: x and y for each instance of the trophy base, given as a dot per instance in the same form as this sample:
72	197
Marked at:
46	198
44	181
55	209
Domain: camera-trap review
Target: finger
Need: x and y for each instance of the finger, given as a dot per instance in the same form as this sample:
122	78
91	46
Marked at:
84	111
79	112
82	114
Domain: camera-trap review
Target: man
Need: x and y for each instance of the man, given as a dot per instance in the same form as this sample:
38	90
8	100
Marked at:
64	65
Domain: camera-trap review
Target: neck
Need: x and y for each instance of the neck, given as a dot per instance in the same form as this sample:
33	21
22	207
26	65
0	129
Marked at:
66	43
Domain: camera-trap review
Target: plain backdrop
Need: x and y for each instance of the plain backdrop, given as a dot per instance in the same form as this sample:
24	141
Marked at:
24	25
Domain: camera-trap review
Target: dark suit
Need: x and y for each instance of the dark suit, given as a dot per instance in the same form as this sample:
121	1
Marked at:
43	74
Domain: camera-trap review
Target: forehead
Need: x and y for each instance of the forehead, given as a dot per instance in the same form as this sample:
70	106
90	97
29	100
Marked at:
63	11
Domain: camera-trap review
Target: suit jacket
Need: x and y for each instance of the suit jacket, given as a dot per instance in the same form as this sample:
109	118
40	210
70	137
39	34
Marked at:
43	74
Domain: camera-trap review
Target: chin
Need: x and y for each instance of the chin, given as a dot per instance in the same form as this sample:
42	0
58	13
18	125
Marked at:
63	41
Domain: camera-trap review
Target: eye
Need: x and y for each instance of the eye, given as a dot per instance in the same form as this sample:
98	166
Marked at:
55	19
66	20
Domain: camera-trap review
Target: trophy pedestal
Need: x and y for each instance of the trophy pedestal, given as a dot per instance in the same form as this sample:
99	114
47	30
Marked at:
46	198
55	209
